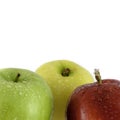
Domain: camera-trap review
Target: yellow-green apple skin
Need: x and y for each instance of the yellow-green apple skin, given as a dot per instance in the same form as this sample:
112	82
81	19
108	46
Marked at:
62	84
24	95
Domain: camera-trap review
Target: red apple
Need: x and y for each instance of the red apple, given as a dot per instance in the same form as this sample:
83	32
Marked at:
95	101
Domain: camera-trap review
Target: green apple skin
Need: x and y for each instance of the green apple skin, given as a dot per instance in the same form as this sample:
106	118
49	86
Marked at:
63	86
24	95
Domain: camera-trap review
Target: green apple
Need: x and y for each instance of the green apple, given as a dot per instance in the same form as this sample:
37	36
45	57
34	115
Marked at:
63	76
24	95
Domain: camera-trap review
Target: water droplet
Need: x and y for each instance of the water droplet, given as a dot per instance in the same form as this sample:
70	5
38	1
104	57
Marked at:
26	95
15	118
20	93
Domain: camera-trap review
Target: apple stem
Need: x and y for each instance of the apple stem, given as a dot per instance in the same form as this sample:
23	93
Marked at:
66	72
16	79
98	76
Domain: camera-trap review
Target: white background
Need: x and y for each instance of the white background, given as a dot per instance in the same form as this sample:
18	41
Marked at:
33	32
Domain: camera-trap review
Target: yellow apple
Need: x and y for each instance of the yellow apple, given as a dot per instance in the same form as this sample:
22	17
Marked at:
63	76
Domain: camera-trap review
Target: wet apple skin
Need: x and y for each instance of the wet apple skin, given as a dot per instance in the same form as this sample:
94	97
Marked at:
95	101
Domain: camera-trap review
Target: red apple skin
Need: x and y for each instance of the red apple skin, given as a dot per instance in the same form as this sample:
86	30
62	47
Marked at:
95	101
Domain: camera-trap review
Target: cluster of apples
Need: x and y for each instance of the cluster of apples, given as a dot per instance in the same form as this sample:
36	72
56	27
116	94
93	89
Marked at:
58	90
